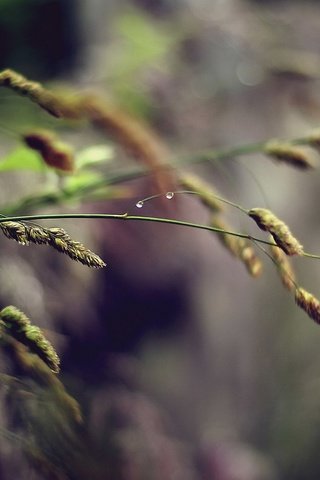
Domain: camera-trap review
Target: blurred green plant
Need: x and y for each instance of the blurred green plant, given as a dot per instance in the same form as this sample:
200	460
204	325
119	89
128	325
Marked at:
92	173
140	43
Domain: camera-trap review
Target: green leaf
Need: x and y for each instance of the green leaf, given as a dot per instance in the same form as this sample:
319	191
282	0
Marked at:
80	180
94	154
22	158
145	42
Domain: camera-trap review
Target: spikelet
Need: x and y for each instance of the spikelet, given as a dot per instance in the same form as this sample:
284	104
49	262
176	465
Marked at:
309	303
61	241
289	154
248	256
205	191
284	267
18	325
53	104
53	152
16	231
239	247
57	238
37	235
268	222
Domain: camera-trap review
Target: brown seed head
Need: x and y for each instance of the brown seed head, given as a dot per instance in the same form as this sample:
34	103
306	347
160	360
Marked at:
15	231
54	153
134	137
56	237
249	258
268	222
54	104
309	303
37	235
61	241
239	247
18	325
290	154
284	267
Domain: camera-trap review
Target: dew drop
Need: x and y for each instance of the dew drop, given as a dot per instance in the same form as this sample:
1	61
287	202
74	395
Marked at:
169	195
139	204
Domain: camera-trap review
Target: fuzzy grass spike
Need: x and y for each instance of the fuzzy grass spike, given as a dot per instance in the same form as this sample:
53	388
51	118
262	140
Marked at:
280	232
53	104
18	325
309	303
54	153
240	248
289	154
56	237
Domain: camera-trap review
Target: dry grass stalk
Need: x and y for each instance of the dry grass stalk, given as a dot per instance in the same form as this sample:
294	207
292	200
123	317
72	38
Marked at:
290	154
54	153
134	137
137	139
239	247
309	303
284	267
57	238
280	232
205	191
55	105
18	325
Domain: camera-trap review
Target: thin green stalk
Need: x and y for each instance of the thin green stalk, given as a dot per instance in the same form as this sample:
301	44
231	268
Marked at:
209	155
125	216
55	198
250	148
217	197
45	199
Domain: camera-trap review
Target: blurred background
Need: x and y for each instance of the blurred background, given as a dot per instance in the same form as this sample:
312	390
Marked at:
184	366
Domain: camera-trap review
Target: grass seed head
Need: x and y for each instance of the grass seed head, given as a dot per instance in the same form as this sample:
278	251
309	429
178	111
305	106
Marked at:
280	232
284	267
61	241
56	237
289	154
239	247
37	235
55	105
54	153
309	303
205	191
18	325
15	231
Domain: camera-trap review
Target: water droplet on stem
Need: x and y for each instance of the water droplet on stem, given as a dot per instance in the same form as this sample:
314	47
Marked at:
169	195
139	204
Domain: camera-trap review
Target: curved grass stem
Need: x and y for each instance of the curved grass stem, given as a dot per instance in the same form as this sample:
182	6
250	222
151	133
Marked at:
125	216
141	218
45	199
